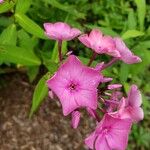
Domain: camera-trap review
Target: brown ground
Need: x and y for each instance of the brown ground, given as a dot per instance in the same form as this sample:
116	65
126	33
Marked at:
48	129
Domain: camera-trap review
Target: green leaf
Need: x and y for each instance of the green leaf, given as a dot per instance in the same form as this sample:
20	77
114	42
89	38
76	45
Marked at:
124	72
6	6
32	72
30	26
131	34
18	55
55	51
40	92
67	8
132	22
26	41
22	6
9	35
141	10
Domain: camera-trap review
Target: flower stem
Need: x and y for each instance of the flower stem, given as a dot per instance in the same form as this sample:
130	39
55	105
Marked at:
110	63
92	59
60	50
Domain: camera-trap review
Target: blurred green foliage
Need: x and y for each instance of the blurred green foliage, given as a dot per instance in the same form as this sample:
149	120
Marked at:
23	43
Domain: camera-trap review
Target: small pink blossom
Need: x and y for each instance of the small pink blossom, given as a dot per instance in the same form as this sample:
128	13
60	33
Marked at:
1	1
125	54
99	43
130	107
75	119
60	31
111	133
75	85
114	86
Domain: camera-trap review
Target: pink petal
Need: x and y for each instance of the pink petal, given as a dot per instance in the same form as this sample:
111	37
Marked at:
51	94
95	35
99	66
134	97
75	119
69	103
102	144
85	40
114	86
87	98
89	141
117	139
91	112
135	113
106	80
126	55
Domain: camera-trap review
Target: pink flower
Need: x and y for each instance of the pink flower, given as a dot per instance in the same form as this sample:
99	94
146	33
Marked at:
60	31
130	107
125	54
99	43
1	1
75	85
111	133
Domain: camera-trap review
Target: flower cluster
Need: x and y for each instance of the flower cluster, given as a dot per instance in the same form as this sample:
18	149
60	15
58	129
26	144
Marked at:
79	86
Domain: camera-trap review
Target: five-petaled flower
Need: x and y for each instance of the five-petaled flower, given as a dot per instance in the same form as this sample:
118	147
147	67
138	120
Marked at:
99	43
75	85
125	54
60	31
130	106
111	133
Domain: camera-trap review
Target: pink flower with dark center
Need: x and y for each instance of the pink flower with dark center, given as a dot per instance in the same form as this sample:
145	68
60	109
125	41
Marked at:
111	133
75	85
130	107
125	54
60	31
99	43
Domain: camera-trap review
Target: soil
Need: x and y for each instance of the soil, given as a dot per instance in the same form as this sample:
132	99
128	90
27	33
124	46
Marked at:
47	130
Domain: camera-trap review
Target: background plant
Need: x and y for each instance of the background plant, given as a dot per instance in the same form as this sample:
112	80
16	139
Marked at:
24	47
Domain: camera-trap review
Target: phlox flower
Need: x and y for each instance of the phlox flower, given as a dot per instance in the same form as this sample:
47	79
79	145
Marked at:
125	54
99	43
60	31
111	133
1	1
130	106
75	85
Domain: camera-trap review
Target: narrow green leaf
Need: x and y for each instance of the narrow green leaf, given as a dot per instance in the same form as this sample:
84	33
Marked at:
132	22
22	6
131	34
141	10
9	35
18	55
40	92
30	26
6	6
124	72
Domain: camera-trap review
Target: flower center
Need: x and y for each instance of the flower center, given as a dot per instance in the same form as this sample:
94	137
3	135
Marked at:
106	130
72	87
